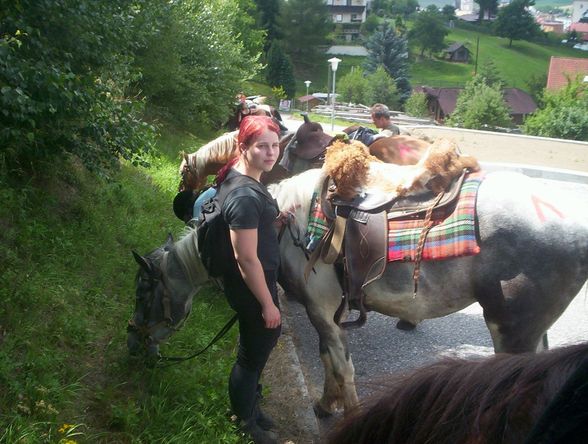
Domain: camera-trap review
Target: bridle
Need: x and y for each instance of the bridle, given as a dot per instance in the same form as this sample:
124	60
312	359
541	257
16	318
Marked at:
144	331
295	234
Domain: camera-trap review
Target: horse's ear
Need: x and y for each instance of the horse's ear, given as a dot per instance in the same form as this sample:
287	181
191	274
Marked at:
169	242
143	263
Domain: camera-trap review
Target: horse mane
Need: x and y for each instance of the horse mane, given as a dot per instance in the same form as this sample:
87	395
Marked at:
295	193
457	401
219	150
186	251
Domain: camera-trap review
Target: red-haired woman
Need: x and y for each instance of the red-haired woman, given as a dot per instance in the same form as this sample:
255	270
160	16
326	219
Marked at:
251	290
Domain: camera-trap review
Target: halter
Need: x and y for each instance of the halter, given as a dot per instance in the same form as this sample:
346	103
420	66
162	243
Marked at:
144	331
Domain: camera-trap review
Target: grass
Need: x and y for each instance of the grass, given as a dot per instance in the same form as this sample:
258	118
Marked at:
67	290
516	64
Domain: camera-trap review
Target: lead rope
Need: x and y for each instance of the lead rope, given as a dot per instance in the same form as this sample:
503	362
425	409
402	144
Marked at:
428	224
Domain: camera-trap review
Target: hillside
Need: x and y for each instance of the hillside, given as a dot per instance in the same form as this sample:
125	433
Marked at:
67	285
516	64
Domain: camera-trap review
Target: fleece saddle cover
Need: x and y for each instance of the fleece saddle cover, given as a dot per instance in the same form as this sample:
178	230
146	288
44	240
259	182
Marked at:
453	233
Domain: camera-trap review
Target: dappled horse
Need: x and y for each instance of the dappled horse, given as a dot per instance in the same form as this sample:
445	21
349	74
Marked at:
505	399
533	260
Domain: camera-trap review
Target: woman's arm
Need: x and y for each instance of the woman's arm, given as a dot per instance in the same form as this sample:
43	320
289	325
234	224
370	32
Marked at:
244	243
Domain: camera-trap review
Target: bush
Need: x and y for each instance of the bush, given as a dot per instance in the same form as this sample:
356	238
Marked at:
416	105
563	115
64	92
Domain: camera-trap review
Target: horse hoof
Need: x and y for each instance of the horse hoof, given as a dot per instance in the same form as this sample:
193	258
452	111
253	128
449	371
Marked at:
320	411
405	325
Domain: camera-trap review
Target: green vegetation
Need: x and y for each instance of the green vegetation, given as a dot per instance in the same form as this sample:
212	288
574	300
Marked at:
515	65
67	291
563	114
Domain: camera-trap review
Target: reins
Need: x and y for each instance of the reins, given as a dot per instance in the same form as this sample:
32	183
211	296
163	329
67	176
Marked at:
296	237
177	359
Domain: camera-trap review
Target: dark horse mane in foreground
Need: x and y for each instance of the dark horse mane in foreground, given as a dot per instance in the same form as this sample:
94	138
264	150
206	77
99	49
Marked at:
526	398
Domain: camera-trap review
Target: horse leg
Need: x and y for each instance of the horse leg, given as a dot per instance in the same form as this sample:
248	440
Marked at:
339	387
514	314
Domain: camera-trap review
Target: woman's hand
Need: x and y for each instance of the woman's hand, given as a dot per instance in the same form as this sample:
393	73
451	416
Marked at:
271	315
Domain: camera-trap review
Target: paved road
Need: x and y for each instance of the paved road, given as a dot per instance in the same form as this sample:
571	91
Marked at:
379	348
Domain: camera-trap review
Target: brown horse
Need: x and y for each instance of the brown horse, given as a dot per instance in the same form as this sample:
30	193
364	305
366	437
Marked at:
400	150
525	398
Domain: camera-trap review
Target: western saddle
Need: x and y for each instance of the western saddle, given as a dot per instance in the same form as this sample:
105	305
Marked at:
357	239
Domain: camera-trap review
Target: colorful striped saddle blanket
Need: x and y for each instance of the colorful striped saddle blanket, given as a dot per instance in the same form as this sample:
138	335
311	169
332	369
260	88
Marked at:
453	233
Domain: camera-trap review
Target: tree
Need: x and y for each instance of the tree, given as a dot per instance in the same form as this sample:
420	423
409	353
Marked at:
354	86
268	12
416	105
305	25
487	7
515	22
479	106
64	78
403	7
388	49
429	31
563	115
382	88
448	12
279	69
253	38
489	72
195	63
536	87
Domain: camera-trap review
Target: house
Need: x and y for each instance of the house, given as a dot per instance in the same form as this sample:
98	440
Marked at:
550	25
581	29
349	14
579	11
442	101
310	101
563	68
457	53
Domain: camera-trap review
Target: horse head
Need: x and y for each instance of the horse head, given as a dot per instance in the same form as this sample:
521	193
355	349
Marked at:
163	297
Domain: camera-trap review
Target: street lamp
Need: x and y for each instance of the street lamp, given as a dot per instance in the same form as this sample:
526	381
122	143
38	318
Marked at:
334	64
307	83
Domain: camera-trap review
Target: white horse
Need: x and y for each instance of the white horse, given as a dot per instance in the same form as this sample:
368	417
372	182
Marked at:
533	261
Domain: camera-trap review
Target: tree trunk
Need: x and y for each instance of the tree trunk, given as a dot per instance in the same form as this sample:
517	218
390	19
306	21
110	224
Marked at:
510	43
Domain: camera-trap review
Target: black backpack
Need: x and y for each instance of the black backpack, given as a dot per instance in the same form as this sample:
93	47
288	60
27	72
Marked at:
214	242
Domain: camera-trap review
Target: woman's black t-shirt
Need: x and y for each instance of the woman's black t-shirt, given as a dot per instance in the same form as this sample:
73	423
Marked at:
245	208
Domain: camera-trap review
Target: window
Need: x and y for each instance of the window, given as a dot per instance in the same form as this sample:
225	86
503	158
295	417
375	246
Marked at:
338	18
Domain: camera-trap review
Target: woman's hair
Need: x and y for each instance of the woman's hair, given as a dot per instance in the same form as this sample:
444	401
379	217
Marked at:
250	129
454	401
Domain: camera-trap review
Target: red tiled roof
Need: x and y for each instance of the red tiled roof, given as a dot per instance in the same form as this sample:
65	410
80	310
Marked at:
517	100
579	27
560	68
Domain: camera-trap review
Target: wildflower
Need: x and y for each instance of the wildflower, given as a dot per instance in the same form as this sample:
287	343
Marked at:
64	428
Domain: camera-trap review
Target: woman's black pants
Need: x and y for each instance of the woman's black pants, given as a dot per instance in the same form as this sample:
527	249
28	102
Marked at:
255	343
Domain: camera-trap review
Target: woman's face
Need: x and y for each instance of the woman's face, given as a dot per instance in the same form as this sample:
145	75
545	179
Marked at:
263	153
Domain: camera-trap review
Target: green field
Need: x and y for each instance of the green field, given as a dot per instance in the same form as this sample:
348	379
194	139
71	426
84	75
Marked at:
515	64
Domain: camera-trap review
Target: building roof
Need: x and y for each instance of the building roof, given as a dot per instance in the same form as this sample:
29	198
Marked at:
579	27
348	50
333	9
455	47
517	100
562	68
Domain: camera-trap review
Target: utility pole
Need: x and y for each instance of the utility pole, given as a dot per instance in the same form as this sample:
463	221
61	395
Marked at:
477	49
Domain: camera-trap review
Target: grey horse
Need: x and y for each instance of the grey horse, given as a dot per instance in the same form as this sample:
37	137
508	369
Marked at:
533	262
